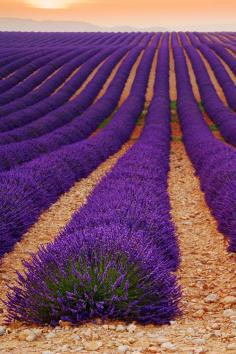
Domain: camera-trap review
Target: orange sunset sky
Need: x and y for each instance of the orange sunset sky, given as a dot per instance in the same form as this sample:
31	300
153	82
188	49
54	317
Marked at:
171	14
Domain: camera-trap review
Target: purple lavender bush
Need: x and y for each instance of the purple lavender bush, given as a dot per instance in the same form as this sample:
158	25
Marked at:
88	275
54	173
220	72
116	256
214	161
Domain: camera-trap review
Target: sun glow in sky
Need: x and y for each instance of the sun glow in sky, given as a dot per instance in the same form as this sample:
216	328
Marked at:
49	4
165	14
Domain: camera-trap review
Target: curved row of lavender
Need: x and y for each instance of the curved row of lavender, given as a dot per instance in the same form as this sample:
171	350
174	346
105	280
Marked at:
214	161
65	113
222	39
58	100
222	116
115	257
11	54
26	70
22	82
219	70
9	68
48	86
78	129
221	51
31	188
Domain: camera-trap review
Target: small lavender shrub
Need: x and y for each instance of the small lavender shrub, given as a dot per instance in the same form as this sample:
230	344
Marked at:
82	277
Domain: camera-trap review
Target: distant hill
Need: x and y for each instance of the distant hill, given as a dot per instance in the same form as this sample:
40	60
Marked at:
15	24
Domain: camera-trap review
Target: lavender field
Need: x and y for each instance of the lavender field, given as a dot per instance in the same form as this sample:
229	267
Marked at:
118	192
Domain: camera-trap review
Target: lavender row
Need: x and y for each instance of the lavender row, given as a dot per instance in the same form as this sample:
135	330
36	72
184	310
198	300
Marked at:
28	190
114	258
16	64
220	72
214	161
31	69
223	117
57	104
222	52
67	112
48	86
10	55
78	129
14	95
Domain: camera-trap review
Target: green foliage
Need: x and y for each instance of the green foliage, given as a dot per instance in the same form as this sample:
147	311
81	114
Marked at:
107	120
213	127
176	138
200	105
173	105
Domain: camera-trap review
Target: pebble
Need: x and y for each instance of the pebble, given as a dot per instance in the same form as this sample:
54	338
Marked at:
105	326
25	332
168	345
199	341
211	298
229	313
229	300
27	335
37	331
190	331
47	352
215	325
112	327
122	348
153	349
131	328
2	330
217	333
31	337
87	332
120	328
93	345
50	335
233	332
199	313
160	339
140	334
65	348
76	337
231	346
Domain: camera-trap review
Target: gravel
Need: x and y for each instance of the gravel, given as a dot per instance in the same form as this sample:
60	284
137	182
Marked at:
2	330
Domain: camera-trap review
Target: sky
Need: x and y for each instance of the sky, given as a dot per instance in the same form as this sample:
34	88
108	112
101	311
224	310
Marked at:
170	14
